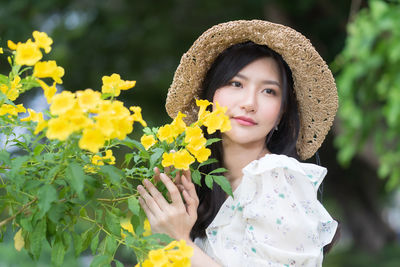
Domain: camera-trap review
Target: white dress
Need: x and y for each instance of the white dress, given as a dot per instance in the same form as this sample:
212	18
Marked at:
274	218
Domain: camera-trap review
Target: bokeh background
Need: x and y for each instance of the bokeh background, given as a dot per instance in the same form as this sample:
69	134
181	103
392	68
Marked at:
144	40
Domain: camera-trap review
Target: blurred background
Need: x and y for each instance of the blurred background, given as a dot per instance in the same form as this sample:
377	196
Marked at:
144	40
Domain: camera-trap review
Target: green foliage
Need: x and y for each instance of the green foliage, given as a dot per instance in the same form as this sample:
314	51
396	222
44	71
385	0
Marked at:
369	88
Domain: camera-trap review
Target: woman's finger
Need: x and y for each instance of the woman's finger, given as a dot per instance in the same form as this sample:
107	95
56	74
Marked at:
146	209
189	187
191	204
172	189
156	175
177	178
152	205
157	196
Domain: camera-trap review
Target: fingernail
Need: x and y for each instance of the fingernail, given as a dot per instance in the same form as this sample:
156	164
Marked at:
145	181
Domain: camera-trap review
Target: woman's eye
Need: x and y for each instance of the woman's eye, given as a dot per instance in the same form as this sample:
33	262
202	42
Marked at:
235	84
269	91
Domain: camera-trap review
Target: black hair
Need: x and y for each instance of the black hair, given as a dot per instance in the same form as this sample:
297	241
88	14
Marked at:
281	141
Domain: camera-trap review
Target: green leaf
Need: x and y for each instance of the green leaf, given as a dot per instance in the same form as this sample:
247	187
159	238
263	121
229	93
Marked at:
196	177
209	161
37	238
76	178
212	140
113	173
113	223
111	245
58	252
38	149
5	158
56	212
4	79
157	153
133	205
209	181
218	170
135	144
95	243
47	194
118	263
101	261
78	243
224	184
86	239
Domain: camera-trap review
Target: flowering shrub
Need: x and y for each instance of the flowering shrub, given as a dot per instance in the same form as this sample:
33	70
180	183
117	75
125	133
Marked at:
64	174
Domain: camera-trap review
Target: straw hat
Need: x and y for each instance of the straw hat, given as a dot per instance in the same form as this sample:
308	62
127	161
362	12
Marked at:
314	84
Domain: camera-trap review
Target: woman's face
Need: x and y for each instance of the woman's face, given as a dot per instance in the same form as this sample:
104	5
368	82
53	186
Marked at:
253	98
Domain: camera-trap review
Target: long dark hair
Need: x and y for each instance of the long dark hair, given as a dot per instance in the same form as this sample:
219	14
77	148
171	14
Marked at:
281	141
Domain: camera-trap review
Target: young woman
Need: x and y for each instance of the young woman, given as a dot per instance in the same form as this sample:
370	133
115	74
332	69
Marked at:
281	100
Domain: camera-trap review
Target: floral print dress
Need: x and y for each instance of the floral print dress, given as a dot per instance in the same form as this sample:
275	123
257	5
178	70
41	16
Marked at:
274	218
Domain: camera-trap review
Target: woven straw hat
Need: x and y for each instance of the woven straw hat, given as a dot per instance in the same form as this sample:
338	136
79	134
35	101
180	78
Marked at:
314	84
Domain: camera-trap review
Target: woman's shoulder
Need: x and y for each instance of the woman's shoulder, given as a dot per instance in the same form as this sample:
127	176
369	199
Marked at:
273	163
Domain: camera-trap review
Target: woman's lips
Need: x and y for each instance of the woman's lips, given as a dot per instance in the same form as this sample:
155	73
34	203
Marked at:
246	121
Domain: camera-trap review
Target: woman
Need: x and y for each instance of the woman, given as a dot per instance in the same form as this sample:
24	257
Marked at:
281	100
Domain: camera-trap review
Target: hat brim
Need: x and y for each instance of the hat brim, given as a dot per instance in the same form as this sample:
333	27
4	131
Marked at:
314	84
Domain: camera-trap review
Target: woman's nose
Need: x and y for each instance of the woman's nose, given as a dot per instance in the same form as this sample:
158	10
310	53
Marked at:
249	101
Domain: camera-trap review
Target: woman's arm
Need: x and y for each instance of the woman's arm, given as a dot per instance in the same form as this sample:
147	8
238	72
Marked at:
177	218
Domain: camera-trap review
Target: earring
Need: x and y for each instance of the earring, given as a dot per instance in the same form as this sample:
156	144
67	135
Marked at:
276	127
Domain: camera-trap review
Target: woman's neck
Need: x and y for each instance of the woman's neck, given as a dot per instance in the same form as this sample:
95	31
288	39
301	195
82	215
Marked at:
236	157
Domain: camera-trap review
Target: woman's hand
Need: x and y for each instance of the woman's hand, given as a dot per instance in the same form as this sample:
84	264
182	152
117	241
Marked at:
176	218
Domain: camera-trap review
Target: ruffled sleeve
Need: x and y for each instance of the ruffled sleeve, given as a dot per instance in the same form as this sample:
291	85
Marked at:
278	215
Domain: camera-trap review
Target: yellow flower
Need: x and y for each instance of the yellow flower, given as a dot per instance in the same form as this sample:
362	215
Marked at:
113	84
179	253
109	157
12	91
166	133
43	40
91	140
104	125
58	128
196	144
202	104
126	224
147	141
27	53
202	154
89	169
41	124
88	99
182	159
122	127
77	118
1	50
12	45
167	159
137	115
11	110
178	124
193	133
226	124
33	116
20	108
49	91
48	69
97	160
61	103
158	257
